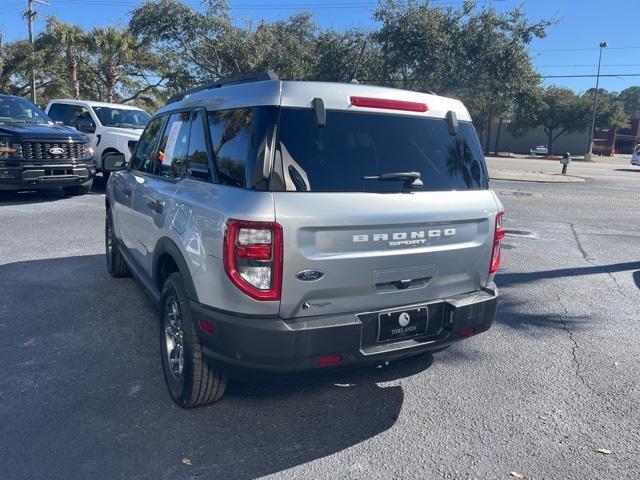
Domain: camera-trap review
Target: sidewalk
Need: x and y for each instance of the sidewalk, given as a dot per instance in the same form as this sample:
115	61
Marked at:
530	176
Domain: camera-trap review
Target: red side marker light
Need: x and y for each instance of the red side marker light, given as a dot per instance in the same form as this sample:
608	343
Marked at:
466	332
370	102
330	360
207	326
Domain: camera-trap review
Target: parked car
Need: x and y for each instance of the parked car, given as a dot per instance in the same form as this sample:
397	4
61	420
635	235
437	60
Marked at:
635	158
111	127
294	226
35	152
539	150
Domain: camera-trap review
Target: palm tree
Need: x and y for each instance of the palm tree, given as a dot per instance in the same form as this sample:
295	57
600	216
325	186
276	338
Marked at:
113	49
69	38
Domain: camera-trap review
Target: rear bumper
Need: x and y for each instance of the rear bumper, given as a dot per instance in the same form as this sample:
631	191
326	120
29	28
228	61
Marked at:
16	177
244	347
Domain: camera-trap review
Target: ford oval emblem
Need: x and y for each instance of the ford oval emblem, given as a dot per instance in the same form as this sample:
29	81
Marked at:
309	275
56	151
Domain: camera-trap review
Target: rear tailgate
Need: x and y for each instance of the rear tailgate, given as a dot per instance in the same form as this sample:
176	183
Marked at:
375	251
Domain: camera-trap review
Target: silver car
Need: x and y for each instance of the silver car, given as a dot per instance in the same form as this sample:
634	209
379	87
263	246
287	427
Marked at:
295	226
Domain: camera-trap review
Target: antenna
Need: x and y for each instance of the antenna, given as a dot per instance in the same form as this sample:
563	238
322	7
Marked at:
352	77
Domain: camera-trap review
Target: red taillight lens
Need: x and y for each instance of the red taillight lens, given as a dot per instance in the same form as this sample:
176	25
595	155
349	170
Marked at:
387	104
497	240
253	257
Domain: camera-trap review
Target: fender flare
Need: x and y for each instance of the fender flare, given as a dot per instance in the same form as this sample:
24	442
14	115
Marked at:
167	246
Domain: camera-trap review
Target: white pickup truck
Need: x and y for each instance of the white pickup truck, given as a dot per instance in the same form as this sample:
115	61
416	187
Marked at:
111	127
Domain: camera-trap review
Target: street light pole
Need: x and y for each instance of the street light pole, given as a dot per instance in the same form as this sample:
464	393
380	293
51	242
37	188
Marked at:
595	100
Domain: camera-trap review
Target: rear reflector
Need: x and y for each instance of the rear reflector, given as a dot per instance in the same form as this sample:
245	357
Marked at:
330	360
369	102
207	326
466	332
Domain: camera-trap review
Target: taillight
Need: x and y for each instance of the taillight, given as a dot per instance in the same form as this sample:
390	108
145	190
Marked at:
253	257
497	240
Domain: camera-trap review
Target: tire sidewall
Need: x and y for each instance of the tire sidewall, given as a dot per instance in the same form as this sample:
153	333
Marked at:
180	390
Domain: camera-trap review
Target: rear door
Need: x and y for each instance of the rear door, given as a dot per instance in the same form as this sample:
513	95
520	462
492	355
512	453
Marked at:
356	245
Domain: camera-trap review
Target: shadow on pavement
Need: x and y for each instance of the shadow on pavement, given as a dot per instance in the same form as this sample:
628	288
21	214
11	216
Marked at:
82	393
510	279
636	278
635	170
28	197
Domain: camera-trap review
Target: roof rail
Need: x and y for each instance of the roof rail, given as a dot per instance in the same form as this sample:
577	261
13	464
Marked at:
225	82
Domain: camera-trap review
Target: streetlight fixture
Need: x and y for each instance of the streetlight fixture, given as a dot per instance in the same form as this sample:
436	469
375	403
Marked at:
595	101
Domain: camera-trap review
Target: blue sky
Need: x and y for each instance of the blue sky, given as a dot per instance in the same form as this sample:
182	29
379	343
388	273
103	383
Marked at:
571	47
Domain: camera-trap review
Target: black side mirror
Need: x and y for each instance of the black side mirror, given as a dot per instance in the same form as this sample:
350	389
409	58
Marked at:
85	125
114	161
452	122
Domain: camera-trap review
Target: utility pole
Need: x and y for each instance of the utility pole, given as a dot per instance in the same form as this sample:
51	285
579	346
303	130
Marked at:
595	101
30	14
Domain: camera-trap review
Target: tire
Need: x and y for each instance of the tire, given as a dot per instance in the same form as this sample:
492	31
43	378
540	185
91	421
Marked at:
78	189
116	265
190	380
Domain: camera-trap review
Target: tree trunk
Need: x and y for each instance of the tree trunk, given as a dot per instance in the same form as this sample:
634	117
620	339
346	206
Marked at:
550	142
487	145
111	80
497	144
72	70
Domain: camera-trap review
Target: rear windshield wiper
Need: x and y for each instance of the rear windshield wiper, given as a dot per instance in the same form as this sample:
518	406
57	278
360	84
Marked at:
410	179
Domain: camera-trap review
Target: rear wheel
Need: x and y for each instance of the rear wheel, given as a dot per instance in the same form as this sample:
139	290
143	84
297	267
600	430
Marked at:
115	261
191	382
78	189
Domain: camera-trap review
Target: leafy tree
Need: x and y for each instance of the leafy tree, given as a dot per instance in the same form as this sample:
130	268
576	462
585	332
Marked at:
609	110
630	97
556	110
68	39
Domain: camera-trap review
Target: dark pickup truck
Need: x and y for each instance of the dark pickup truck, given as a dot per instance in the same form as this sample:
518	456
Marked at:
36	153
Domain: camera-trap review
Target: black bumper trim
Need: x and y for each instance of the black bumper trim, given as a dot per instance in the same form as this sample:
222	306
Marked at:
47	175
246	347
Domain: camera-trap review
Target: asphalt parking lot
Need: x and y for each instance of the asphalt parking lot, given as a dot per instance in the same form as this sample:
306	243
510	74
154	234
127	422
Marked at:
557	377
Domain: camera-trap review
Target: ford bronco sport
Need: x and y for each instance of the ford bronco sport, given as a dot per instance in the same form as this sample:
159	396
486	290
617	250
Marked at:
35	152
289	226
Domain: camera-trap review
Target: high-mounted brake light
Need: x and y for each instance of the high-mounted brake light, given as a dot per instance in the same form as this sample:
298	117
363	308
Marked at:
253	257
497	240
370	102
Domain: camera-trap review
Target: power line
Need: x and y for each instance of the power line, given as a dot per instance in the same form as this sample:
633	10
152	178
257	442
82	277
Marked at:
580	49
590	65
593	76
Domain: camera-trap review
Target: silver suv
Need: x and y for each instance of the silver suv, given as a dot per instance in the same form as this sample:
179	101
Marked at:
293	226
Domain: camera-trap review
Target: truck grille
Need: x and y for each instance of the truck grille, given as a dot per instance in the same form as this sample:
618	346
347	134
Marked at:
36	151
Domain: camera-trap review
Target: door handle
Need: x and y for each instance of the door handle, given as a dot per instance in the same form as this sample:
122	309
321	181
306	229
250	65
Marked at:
155	205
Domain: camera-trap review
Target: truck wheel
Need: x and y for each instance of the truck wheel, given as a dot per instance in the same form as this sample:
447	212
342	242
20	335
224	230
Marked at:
191	382
115	261
78	189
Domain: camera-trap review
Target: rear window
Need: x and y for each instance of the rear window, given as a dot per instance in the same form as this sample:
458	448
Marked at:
353	145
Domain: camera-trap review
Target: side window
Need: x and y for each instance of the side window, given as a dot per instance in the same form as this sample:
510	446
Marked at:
197	165
58	112
144	153
172	153
76	113
231	132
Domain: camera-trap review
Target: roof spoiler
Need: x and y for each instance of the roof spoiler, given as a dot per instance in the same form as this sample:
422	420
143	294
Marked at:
225	82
